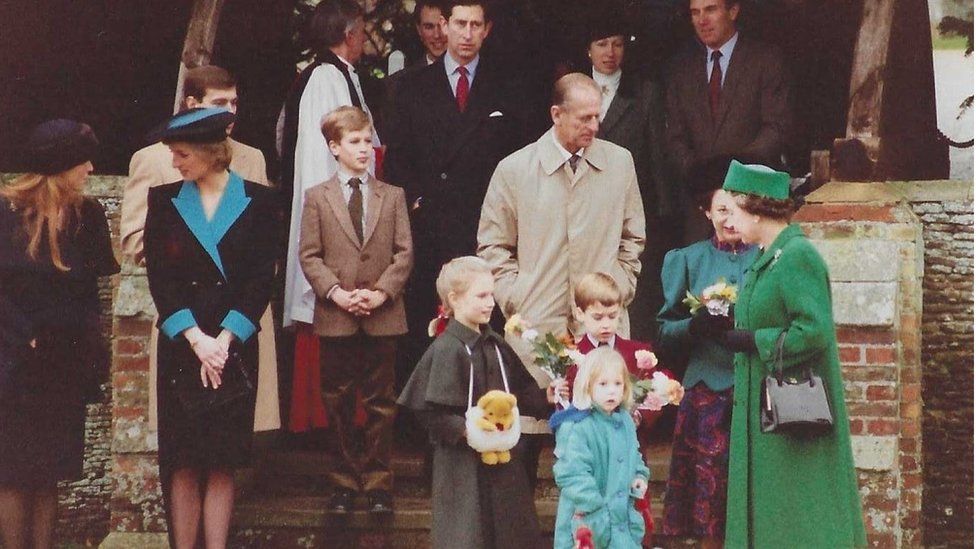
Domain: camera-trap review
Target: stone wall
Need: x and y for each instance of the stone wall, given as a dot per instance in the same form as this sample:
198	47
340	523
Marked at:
946	212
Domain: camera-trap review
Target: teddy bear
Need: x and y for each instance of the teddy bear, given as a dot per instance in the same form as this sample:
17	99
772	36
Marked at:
493	426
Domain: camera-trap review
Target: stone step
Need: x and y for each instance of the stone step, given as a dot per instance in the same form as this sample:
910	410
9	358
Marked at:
284	521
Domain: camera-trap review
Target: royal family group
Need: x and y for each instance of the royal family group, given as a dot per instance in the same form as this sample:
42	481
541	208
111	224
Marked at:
473	226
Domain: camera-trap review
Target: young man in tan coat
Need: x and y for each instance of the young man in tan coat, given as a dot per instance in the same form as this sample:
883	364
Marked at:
207	86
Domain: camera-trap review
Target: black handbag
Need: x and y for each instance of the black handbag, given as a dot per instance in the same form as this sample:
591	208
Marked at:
791	405
232	397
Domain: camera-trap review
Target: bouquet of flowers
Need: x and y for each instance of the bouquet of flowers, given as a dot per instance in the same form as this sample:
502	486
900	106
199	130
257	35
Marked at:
554	355
654	389
716	299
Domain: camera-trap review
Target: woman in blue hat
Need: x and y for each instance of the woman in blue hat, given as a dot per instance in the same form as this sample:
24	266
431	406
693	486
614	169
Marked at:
785	490
54	246
210	250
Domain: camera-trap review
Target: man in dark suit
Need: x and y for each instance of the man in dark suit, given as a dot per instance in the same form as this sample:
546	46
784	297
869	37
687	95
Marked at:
727	95
451	123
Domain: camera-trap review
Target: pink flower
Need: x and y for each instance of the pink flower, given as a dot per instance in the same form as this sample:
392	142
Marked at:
675	392
653	402
646	360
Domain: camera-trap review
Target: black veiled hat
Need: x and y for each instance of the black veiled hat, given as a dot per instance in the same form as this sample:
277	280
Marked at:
59	145
200	125
609	21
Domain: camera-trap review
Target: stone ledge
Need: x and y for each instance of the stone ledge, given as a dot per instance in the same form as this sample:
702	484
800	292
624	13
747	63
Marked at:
864	303
860	260
839	191
874	453
129	540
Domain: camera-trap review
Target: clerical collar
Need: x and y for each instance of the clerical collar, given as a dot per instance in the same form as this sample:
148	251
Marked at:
562	150
607	82
348	64
612	343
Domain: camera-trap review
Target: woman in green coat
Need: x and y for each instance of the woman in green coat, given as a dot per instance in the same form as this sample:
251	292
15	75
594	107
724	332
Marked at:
785	490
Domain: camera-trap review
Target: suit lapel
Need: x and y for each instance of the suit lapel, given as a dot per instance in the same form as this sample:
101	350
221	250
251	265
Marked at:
190	208
474	115
231	206
333	195
373	207
620	105
728	95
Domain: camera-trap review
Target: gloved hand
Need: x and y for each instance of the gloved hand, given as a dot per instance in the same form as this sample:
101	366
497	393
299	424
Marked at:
740	341
705	325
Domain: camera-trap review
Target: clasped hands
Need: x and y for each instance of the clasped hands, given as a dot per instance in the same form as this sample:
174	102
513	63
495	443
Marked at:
359	302
212	353
558	388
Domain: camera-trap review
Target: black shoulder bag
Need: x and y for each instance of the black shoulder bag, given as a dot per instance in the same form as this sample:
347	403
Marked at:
231	398
794	406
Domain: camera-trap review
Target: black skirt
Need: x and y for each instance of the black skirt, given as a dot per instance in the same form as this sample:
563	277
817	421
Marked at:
42	422
214	440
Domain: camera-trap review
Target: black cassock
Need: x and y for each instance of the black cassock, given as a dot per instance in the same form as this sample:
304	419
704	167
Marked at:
474	505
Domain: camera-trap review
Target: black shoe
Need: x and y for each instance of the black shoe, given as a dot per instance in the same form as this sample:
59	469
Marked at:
341	501
380	503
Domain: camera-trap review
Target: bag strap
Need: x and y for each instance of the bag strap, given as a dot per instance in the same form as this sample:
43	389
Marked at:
501	366
778	363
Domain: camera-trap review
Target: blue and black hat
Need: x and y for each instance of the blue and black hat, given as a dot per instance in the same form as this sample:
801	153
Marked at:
201	125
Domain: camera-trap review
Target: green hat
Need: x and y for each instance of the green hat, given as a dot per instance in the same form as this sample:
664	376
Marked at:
758	180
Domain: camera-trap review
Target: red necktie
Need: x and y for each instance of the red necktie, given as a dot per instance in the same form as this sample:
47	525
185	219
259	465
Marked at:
463	87
715	81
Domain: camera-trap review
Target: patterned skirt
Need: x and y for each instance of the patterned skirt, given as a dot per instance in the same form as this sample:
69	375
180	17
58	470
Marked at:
694	503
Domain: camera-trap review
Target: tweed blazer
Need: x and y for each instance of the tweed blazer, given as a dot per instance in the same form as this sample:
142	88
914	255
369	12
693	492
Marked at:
331	254
753	115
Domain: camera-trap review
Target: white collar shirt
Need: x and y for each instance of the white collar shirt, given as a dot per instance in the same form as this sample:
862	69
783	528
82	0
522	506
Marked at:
723	62
612	343
562	150
451	67
344	178
609	83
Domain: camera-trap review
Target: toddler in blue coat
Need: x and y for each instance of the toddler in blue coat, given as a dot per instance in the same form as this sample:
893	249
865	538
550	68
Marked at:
599	468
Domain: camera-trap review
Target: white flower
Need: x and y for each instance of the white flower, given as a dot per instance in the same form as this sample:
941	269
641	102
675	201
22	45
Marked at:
717	307
530	335
660	383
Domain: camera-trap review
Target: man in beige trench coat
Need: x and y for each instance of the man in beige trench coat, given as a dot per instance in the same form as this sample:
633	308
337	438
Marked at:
207	86
556	210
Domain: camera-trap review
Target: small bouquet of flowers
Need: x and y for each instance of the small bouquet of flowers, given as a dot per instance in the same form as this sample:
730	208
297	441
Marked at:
654	389
554	355
717	299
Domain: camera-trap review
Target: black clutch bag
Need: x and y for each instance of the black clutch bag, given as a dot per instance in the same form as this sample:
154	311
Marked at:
232	397
794	405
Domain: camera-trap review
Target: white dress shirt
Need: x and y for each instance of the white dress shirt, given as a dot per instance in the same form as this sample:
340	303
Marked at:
596	344
723	62
451	67
344	178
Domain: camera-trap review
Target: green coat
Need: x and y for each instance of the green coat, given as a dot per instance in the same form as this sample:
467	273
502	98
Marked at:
786	491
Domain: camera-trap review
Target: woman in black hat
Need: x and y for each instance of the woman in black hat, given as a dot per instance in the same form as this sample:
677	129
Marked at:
632	116
54	244
210	249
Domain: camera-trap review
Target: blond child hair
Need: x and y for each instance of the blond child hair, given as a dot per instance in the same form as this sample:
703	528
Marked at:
343	120
456	275
596	362
597	288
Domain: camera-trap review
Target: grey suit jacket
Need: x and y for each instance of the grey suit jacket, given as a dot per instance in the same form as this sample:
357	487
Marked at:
635	121
753	115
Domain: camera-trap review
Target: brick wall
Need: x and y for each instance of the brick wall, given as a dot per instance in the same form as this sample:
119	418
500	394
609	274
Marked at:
872	243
